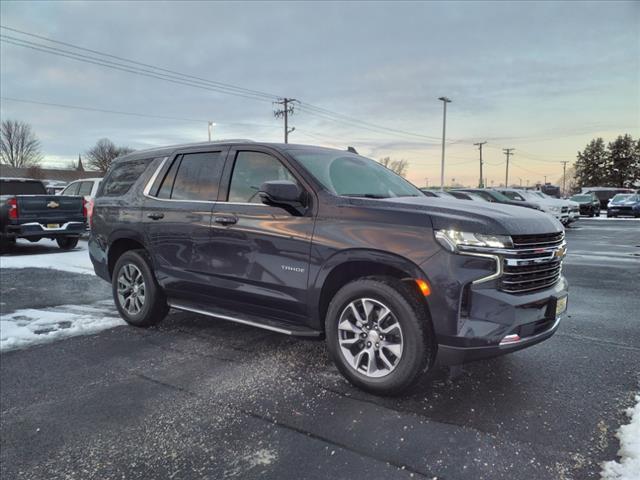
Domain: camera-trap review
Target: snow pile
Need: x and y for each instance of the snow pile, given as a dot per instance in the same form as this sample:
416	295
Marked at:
629	466
75	261
27	327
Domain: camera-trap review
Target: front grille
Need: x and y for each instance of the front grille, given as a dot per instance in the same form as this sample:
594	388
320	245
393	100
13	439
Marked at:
564	209
533	264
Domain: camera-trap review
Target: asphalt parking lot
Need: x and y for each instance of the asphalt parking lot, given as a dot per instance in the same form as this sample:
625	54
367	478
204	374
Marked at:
201	398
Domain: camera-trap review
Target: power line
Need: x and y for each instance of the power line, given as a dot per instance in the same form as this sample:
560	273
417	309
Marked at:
134	62
133	114
125	68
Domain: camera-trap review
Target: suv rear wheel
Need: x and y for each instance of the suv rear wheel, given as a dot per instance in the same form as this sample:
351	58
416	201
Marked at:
138	297
379	335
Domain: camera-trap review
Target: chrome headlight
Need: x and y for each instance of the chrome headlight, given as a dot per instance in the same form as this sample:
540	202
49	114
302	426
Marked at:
453	240
554	209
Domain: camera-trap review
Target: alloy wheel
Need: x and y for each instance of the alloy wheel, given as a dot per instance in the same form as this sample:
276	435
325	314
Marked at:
370	337
131	289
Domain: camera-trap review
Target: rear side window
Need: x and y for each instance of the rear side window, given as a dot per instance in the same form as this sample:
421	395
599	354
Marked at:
71	189
193	176
85	188
250	171
123	176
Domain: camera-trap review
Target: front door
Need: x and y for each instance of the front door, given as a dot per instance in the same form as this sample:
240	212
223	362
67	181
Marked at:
258	255
177	217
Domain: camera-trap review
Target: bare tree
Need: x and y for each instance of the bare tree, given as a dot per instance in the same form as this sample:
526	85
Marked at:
19	146
398	166
103	153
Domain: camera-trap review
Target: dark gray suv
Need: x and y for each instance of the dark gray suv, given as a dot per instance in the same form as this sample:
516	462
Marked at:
318	242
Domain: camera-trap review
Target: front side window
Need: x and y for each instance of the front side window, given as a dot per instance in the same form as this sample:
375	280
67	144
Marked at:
197	176
250	171
351	175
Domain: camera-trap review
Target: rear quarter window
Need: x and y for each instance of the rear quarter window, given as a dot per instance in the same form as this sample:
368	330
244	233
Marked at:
123	176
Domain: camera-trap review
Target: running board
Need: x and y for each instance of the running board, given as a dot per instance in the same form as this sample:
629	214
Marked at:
266	325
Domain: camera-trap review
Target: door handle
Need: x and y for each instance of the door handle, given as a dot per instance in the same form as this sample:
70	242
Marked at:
155	216
225	219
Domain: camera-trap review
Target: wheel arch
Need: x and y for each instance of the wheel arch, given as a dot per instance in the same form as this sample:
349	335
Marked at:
350	265
120	243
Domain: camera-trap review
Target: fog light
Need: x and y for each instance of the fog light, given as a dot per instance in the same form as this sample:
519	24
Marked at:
510	339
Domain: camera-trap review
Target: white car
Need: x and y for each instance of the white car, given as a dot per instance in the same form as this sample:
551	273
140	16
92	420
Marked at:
87	187
552	206
573	207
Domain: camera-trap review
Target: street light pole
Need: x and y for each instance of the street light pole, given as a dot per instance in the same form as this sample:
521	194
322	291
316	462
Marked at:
210	129
444	100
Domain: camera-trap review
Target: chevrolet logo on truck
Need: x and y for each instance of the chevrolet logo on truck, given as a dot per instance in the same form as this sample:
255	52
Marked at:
53	204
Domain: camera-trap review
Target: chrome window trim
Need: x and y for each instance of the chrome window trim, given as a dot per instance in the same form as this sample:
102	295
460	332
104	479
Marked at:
154	177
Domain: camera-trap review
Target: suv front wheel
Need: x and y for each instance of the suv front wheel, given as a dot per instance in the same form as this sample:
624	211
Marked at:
138	297
379	335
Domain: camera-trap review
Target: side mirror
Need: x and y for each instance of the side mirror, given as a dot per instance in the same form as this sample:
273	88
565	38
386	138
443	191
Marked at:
283	193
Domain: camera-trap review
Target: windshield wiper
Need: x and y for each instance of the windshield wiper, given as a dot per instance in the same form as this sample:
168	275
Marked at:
364	195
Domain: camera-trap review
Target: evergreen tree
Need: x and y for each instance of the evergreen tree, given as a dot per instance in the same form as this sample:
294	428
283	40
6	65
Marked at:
593	165
624	161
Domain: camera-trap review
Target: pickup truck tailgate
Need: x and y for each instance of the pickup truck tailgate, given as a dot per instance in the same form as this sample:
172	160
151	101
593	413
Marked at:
50	208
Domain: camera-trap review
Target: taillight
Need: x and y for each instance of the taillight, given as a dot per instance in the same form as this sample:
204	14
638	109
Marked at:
84	208
13	208
89	211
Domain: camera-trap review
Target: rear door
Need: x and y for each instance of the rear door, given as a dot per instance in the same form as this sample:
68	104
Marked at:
257	258
177	217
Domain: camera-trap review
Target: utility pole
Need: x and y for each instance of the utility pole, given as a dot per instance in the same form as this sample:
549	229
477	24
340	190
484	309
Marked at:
444	100
285	111
545	179
426	182
210	128
507	152
479	145
564	177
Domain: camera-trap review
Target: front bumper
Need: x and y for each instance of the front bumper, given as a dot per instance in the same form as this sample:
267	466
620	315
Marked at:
38	230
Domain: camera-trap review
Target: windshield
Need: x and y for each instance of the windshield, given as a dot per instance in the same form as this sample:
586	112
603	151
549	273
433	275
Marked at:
620	197
351	175
514	195
581	198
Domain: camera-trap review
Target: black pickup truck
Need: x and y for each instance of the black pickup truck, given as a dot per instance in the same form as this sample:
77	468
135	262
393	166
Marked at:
26	211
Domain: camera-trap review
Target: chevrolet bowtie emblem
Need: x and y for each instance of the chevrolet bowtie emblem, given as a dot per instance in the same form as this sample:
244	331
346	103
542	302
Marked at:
53	204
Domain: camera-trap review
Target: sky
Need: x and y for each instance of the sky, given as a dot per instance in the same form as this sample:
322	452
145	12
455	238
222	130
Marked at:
543	78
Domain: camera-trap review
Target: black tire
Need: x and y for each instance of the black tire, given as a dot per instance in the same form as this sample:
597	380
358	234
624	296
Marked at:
154	307
592	213
67	243
418	339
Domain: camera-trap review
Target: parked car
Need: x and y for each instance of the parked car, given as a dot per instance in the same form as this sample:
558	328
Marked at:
605	194
437	193
624	205
318	242
26	211
573	208
465	196
54	187
588	203
494	196
553	207
87	187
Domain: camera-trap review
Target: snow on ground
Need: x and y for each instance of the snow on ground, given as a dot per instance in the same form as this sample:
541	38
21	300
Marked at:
27	327
46	254
628	468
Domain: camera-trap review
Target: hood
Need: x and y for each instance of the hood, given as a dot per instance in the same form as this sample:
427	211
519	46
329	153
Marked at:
478	217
